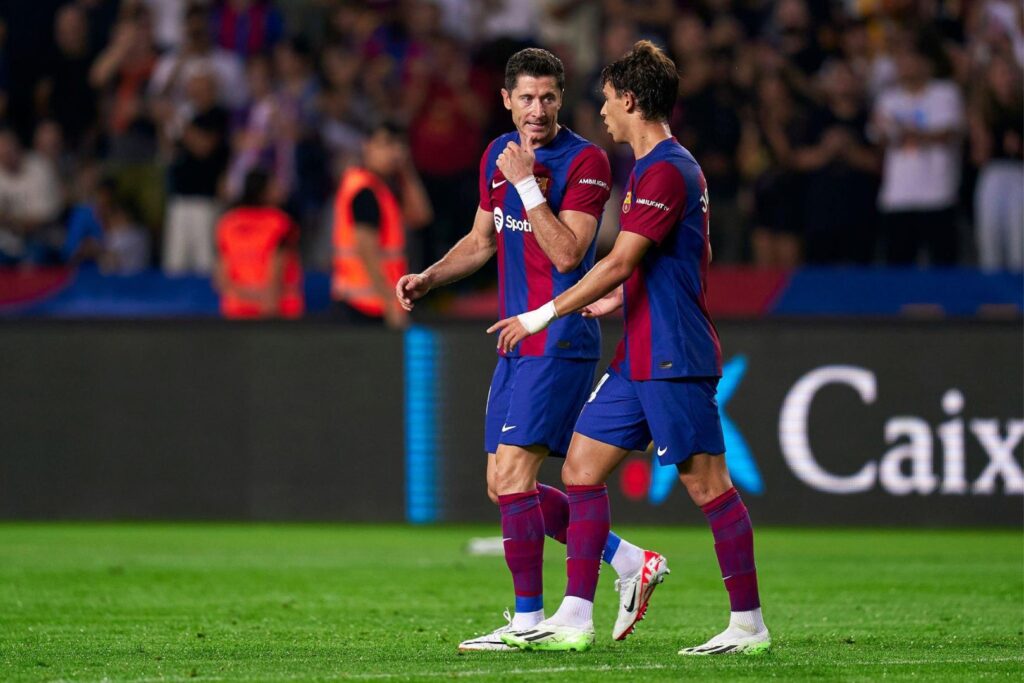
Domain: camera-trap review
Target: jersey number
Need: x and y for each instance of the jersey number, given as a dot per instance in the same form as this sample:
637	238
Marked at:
705	205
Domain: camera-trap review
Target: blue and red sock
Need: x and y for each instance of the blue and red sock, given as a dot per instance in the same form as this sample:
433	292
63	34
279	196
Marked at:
554	505
734	545
589	521
522	526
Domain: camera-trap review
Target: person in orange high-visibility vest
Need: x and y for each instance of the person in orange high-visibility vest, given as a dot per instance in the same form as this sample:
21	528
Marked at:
375	204
258	272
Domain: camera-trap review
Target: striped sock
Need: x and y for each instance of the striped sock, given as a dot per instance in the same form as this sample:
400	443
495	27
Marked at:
624	557
734	545
522	527
589	519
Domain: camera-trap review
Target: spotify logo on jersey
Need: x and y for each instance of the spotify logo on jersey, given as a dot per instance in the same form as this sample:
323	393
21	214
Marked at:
499	218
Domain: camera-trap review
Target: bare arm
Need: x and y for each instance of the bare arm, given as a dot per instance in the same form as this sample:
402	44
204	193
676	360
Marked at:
564	239
467	256
607	275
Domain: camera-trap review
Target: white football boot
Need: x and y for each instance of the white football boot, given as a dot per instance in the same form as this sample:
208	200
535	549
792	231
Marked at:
490	642
635	593
734	640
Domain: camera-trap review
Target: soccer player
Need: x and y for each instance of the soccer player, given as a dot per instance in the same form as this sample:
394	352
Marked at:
663	380
542	192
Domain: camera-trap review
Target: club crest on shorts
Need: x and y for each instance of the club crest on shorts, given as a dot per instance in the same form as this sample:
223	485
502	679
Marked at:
627	202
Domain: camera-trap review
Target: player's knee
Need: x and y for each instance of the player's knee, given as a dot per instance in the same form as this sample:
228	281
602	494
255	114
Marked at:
573	474
513	477
703	489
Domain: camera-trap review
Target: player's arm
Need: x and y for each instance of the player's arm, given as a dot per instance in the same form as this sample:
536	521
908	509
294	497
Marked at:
565	238
603	278
663	191
465	258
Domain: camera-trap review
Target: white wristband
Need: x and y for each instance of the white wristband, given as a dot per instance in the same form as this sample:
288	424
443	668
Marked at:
536	320
529	192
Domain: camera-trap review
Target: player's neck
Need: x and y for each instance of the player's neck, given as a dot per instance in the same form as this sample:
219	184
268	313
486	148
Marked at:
646	135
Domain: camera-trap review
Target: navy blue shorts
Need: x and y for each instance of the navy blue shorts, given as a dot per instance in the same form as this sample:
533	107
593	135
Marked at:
535	400
679	415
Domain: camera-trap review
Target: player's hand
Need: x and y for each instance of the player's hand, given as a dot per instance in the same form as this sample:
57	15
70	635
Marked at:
511	332
515	162
609	303
410	288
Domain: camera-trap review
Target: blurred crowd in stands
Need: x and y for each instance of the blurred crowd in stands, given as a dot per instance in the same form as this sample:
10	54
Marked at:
830	131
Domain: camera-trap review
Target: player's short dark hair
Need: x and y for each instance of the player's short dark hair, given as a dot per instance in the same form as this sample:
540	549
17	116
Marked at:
536	62
648	73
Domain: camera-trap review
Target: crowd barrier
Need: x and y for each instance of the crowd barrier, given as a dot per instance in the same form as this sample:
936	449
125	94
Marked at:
827	422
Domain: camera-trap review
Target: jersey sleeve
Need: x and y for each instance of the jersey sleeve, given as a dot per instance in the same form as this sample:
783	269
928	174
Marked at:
589	182
485	190
657	204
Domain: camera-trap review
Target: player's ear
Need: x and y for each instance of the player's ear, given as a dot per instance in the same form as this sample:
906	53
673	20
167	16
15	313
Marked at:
628	101
506	97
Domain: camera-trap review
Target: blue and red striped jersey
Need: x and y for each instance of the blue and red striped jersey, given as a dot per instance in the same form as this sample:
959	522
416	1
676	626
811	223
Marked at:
669	332
574	175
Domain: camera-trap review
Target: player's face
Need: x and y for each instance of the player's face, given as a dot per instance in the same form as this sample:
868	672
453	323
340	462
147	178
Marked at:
534	104
614	113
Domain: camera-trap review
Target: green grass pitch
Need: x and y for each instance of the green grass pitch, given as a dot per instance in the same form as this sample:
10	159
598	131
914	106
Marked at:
161	602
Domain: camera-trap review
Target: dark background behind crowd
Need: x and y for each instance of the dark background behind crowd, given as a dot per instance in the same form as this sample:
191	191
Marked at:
830	132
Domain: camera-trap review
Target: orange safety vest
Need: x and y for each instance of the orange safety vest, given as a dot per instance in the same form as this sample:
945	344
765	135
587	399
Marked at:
350	281
247	239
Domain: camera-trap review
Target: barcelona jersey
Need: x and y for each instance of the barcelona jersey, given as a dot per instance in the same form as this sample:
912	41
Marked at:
669	332
573	174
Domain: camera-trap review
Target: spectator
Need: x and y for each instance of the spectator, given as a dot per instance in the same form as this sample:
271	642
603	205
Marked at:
616	40
375	204
201	156
447	114
94	196
121	74
102	228
299	90
168	85
266	137
64	93
841	168
30	203
793	35
48	143
168	22
247	27
778	121
997	148
706	121
919	122
123	69
258	272
125	246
